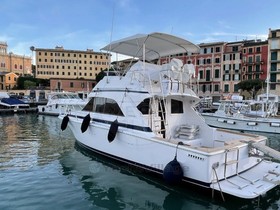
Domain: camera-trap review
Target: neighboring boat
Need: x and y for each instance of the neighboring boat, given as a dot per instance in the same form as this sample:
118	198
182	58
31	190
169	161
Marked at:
8	103
247	115
62	103
147	119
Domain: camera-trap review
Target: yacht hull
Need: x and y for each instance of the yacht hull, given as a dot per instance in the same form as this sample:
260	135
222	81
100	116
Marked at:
144	150
265	125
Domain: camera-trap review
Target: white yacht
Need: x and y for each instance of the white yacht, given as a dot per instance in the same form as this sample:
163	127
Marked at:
146	118
62	103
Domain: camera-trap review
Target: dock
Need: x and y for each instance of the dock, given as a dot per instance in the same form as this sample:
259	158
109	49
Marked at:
18	111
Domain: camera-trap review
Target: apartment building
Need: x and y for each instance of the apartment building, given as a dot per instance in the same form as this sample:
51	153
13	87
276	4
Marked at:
274	60
10	62
209	68
254	60
61	63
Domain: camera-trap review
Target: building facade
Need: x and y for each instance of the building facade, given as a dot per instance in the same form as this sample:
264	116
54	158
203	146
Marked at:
8	80
209	69
274	61
69	64
254	60
18	64
72	85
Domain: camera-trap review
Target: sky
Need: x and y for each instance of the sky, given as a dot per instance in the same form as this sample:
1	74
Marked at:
92	24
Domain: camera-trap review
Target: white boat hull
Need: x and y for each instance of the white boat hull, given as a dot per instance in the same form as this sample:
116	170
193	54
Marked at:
140	149
266	125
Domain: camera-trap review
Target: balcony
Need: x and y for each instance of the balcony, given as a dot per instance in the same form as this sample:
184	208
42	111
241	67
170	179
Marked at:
274	72
275	61
254	72
251	63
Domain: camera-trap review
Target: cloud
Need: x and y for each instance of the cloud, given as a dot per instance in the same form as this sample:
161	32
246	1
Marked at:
229	37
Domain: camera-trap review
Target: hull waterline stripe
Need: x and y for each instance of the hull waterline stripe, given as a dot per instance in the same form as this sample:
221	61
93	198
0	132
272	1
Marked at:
134	127
126	91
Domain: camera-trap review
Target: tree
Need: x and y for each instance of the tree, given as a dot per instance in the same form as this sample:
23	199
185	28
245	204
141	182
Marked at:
252	86
103	73
29	84
36	82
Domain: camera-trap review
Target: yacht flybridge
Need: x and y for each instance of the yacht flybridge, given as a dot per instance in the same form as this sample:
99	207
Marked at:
146	118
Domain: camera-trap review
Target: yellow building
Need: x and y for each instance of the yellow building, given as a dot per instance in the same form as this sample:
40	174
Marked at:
70	64
8	81
18	64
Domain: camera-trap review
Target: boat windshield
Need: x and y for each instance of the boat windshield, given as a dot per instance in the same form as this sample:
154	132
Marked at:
103	105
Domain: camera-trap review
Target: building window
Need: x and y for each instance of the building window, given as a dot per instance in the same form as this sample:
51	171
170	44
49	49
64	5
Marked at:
217	73
71	84
227	77
216	88
234	48
274	56
235	88
201	74
218	49
208	75
273	67
226	88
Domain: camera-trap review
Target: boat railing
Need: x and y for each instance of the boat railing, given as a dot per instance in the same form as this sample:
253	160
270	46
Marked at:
175	81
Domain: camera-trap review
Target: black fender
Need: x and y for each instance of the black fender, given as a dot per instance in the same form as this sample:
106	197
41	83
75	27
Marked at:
113	131
64	123
85	123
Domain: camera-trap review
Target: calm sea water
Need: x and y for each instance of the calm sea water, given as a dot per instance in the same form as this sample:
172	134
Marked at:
42	168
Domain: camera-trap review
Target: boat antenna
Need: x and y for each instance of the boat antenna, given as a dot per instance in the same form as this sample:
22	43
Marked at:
111	35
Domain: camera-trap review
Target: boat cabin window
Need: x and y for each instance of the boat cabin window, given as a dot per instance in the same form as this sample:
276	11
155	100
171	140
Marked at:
176	106
103	105
144	106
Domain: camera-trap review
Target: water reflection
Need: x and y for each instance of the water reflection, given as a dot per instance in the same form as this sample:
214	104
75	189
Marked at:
30	140
35	154
111	185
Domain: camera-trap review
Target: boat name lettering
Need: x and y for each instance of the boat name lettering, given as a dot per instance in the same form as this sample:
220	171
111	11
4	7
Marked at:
195	157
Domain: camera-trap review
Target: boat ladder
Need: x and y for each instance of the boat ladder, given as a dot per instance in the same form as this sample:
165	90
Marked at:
231	162
162	115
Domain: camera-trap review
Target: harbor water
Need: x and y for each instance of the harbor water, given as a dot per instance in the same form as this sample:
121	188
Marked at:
41	167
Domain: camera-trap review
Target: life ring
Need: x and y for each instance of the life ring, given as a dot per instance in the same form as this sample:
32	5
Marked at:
64	123
85	123
113	131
